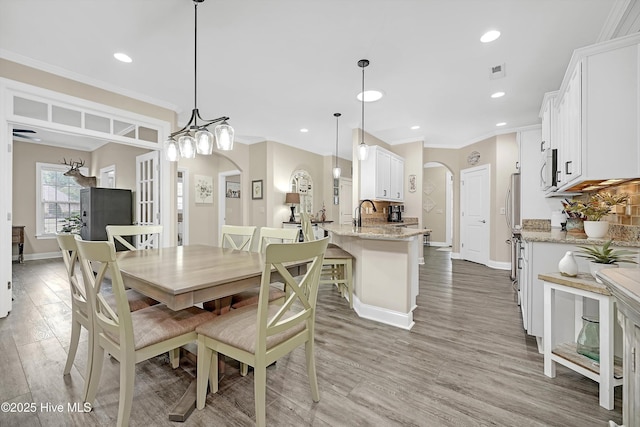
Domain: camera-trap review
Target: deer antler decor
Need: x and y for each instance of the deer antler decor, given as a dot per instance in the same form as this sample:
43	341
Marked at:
74	172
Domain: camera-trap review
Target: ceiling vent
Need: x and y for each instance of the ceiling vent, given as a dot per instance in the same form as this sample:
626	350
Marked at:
497	71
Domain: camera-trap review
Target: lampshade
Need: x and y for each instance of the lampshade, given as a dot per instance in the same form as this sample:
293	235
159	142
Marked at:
224	136
187	146
171	148
204	142
363	148
292	198
336	168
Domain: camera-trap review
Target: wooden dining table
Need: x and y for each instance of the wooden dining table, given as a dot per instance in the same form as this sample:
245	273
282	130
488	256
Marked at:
182	276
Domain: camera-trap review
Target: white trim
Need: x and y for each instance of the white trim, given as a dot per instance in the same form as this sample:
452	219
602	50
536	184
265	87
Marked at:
40	255
185	205
455	255
104	172
383	315
499	265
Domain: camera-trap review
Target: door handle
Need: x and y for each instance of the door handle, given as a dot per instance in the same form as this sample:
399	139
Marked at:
482	221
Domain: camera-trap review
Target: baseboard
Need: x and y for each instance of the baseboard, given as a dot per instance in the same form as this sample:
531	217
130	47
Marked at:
455	255
499	265
383	315
41	255
439	244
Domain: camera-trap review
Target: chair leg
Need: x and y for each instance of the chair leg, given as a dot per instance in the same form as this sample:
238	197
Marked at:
311	369
205	357
96	372
349	279
127	376
244	369
174	357
73	344
260	393
90	366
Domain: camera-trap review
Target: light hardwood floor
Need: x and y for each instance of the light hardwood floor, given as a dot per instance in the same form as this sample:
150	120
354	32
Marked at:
467	362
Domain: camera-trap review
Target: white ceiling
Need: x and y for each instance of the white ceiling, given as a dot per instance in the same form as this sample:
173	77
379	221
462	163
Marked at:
276	66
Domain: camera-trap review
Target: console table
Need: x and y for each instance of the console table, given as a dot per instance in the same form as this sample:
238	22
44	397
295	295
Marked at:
17	236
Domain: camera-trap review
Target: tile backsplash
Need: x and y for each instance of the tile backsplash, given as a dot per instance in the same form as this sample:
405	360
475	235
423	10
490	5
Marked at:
628	214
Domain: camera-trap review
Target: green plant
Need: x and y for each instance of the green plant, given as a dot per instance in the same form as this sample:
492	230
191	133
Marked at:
605	254
597	207
72	225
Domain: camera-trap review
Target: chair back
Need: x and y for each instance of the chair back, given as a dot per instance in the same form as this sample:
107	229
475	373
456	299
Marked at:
101	255
307	228
69	249
237	237
147	236
302	295
276	235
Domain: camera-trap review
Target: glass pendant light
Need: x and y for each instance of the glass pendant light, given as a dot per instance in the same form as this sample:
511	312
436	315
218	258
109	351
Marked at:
204	142
363	149
224	136
171	149
336	169
187	145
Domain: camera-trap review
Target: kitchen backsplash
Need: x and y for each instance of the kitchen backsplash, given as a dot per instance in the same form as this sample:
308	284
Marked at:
629	214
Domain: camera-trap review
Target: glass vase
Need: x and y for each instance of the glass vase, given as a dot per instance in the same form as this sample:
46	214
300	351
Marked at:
588	342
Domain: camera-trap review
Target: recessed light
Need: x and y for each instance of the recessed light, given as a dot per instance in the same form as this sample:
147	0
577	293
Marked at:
490	36
497	95
501	124
122	57
370	95
304	130
415	127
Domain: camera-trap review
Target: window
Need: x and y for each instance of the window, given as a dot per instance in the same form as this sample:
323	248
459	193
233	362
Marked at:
57	198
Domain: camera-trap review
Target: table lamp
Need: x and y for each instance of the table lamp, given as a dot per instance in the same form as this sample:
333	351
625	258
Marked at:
292	199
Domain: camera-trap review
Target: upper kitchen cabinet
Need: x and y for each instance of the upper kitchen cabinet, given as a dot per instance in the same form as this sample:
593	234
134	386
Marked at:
598	115
548	114
382	176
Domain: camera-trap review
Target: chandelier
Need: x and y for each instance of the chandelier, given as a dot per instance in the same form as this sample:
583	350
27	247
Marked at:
195	137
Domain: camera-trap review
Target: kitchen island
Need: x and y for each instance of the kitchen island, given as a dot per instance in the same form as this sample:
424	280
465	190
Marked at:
385	270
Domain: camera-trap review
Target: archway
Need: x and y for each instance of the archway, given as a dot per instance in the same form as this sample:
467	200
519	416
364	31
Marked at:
437	203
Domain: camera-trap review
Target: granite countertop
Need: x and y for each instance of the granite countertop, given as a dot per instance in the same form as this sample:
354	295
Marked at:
375	232
584	281
624	284
556	235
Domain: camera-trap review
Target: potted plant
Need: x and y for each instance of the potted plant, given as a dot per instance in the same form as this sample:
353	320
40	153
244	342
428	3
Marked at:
605	257
594	210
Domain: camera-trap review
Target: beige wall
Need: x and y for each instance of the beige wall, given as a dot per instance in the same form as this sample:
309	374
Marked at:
233	206
412	154
435	219
25	156
123	157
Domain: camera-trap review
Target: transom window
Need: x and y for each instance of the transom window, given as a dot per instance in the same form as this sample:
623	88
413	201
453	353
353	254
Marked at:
57	198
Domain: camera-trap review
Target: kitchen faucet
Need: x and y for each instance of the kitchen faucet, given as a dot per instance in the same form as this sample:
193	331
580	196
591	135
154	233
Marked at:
359	211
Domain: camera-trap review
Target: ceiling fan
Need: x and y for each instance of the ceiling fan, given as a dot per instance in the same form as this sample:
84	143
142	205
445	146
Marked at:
24	133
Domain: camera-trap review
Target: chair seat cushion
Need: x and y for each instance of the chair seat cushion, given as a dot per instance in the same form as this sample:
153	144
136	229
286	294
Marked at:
252	296
238	328
336	253
158	323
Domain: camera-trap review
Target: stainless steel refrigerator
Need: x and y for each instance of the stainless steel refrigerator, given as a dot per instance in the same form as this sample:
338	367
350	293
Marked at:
512	215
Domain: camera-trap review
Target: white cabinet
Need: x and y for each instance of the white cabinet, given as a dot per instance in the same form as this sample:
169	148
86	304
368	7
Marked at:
382	176
597	129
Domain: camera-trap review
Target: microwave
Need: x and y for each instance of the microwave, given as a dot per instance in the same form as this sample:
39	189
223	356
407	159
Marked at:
549	170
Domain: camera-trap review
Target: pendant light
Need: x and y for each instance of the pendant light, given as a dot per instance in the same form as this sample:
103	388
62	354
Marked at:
336	168
363	149
196	138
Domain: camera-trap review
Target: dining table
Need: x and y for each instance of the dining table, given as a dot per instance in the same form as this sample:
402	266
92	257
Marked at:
183	276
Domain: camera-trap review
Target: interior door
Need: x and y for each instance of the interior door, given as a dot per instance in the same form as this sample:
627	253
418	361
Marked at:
475	214
346	201
147	193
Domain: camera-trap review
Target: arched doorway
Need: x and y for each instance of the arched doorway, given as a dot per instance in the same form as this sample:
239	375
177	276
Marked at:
437	203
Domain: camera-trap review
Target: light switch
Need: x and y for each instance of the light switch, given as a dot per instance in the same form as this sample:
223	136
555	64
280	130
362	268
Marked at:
502	211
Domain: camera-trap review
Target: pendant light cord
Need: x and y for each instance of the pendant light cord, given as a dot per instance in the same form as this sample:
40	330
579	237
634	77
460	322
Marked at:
362	93
337	119
195	59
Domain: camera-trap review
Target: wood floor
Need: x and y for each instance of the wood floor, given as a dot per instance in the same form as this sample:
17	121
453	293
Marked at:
467	362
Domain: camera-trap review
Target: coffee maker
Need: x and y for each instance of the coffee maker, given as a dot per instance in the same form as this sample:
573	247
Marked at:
395	213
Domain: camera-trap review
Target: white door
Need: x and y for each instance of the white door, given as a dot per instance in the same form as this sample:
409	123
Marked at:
147	189
346	201
475	195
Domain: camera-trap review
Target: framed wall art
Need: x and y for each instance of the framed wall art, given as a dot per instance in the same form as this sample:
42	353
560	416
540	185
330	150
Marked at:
233	190
256	189
204	189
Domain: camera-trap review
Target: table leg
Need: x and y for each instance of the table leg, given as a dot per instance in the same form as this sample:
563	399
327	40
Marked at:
549	313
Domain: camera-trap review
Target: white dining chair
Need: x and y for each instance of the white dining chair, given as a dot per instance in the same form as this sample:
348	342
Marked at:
129	337
258	335
337	266
80	311
146	236
237	236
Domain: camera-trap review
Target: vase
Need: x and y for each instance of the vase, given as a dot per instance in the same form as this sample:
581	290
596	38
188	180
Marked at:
575	225
588	341
596	229
594	267
568	265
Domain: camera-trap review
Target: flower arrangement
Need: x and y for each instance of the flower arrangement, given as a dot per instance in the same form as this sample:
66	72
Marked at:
597	207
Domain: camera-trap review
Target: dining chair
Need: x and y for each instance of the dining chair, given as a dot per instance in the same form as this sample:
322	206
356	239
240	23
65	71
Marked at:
147	236
260	334
129	337
338	264
237	236
80	312
267	235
